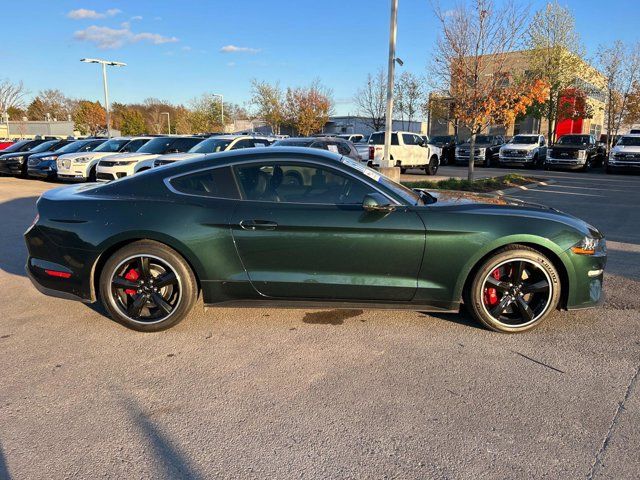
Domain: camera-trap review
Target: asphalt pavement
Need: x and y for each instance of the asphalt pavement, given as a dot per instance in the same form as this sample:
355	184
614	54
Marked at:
257	393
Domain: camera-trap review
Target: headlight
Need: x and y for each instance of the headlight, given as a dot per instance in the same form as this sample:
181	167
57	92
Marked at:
582	154
590	246
530	154
50	157
549	153
612	154
82	160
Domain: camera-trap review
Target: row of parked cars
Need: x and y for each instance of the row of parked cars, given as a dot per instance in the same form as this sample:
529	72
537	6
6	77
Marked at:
572	151
102	159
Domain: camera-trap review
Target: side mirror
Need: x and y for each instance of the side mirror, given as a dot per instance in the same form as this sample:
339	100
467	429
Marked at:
376	202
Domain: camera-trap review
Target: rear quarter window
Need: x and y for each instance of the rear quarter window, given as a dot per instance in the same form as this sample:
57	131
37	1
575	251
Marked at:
217	183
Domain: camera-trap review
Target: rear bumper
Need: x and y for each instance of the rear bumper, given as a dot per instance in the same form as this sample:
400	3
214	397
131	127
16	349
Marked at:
49	290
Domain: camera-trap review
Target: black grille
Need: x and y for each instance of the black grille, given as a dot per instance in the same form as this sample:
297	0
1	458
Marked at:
107	163
627	156
104	176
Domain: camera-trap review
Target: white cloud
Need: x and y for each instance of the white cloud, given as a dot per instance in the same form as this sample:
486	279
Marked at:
83	13
236	49
186	48
231	64
110	38
136	17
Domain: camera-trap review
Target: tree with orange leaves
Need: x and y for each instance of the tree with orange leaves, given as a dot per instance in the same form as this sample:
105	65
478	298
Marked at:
471	66
307	109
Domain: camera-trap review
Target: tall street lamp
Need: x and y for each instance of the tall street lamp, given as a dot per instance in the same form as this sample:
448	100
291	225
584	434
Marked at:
221	108
104	64
393	26
168	121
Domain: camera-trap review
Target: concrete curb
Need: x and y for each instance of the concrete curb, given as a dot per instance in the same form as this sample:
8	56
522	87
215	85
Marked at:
529	186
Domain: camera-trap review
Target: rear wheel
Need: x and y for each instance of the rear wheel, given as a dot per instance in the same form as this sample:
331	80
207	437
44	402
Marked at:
514	290
147	286
432	167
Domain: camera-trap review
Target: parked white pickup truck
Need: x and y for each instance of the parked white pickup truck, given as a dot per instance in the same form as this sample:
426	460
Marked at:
408	150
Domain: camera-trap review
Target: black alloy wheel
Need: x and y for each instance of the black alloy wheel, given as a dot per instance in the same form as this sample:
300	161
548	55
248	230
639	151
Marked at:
515	290
147	286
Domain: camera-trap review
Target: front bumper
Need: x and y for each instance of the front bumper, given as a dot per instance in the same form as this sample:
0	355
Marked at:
43	170
106	174
12	166
515	161
623	164
586	288
68	170
571	163
464	159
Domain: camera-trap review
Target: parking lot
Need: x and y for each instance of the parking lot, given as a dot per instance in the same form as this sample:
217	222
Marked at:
325	393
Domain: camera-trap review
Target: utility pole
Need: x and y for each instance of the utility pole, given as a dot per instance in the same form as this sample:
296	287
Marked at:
168	121
104	64
393	26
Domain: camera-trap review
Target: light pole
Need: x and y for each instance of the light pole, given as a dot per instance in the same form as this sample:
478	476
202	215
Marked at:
393	26
168	121
104	64
221	108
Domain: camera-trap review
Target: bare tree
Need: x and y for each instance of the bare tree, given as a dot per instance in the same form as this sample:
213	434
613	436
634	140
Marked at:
409	96
371	100
556	57
471	64
11	95
620	64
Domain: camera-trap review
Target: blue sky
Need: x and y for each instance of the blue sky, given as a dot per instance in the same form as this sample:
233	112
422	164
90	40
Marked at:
176	50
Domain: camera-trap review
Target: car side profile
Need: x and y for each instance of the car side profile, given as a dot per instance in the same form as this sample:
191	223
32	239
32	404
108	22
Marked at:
407	150
332	144
304	227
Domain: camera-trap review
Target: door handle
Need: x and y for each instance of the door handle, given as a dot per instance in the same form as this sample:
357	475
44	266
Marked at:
257	225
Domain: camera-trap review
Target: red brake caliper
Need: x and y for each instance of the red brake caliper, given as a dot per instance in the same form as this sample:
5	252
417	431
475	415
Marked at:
490	294
132	275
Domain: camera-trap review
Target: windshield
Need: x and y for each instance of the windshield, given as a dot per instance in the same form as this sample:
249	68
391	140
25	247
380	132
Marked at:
73	146
629	141
112	145
524	139
293	143
16	147
156	146
134	145
574	140
211	145
44	147
482	139
441	139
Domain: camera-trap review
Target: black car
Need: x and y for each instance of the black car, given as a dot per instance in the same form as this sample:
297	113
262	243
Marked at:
16	163
332	144
575	152
448	145
43	165
487	149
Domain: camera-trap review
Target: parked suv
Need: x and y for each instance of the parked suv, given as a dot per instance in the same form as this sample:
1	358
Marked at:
333	144
125	164
407	150
527	150
81	166
217	143
625	155
44	165
575	152
486	150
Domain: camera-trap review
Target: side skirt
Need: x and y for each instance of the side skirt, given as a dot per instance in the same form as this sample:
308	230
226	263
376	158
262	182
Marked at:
316	304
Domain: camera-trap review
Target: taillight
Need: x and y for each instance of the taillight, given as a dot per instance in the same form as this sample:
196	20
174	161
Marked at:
372	151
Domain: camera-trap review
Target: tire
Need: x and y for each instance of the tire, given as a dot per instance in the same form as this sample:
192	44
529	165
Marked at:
587	165
166	305
432	167
494	287
92	174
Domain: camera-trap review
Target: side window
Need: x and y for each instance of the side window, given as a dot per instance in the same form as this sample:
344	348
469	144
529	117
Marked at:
217	182
300	183
321	145
394	139
343	148
408	139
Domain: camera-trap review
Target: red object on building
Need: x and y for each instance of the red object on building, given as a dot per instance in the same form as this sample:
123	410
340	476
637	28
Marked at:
4	145
571	105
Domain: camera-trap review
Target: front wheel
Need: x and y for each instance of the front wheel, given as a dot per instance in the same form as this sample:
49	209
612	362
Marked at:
514	290
432	167
147	286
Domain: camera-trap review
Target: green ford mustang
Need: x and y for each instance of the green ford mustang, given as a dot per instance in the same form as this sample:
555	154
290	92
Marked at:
294	226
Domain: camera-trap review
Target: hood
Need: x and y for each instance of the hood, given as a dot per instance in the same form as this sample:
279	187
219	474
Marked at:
91	155
497	204
520	146
569	147
15	155
133	156
626	149
43	154
174	157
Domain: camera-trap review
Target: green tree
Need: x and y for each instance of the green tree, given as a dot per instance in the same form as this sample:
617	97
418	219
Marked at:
132	122
556	57
89	117
268	103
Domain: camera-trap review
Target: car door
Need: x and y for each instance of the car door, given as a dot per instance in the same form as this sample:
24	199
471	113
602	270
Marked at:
301	232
